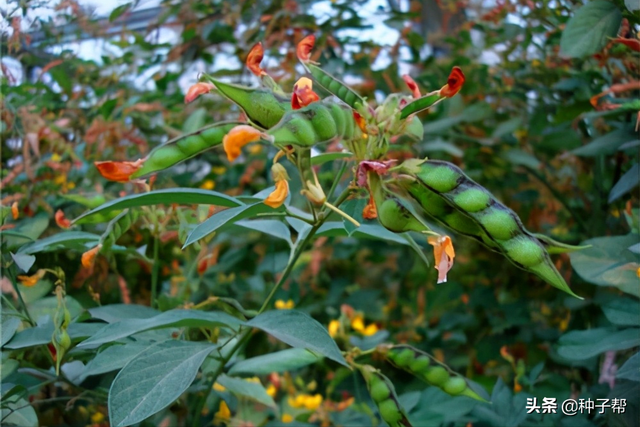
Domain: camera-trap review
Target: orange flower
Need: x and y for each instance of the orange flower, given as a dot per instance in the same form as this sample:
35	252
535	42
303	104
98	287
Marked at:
279	195
254	59
370	211
303	94
237	138
633	44
61	220
444	254
29	281
89	257
360	121
196	90
118	171
14	210
412	85
454	83
304	48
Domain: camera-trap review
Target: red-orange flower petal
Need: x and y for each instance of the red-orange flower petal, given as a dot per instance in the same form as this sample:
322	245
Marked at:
370	211
254	59
29	281
279	195
89	257
412	85
61	220
196	90
633	44
303	94
443	254
118	171
15	213
304	48
360	121
237	138
454	83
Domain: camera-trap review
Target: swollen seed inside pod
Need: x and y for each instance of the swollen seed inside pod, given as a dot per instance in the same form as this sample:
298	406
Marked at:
472	200
389	411
419	364
404	357
167	156
454	386
499	224
440	178
462	224
524	251
379	391
436	375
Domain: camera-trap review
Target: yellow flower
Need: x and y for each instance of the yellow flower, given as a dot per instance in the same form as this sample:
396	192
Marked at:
272	390
287	418
223	412
56	158
97	418
218	170
253	380
371	329
313	402
334	327
208	184
238	137
357	323
279	195
281	305
638	272
218	387
443	253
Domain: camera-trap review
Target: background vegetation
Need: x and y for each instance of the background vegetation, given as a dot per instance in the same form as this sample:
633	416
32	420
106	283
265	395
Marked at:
547	120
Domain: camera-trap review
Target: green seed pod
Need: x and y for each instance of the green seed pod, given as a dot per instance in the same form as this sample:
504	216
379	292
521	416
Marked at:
436	375
419	364
404	357
61	340
262	106
390	412
117	227
184	147
455	386
335	86
500	225
419	105
379	391
472	211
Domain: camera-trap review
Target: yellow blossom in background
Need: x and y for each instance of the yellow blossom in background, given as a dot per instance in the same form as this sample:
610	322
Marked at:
638	272
357	323
306	401
208	184
218	387
97	418
218	170
281	305
56	158
223	412
272	390
253	380
334	327
371	329
287	418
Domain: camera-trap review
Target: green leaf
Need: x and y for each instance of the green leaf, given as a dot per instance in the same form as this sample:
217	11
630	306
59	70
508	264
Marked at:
65	240
23	261
7	368
15	410
329	157
116	312
580	345
118	11
48	306
172	318
245	388
369	231
227	216
298	330
632	5
184	196
271	227
605	144
353	208
626	183
154	379
114	357
9	324
280	361
588	31
631	369
195	121
622	311
609	263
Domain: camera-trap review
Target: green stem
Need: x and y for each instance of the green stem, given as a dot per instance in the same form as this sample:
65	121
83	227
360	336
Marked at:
155	269
332	190
14	283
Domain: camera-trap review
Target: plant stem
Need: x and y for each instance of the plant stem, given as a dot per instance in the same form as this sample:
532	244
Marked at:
155	269
14	283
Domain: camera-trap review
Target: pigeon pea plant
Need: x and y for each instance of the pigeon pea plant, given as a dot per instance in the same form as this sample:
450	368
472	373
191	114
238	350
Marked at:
403	197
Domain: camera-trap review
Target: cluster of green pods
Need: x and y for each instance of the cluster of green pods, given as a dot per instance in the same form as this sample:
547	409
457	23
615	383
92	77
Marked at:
117	227
425	367
450	197
384	395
